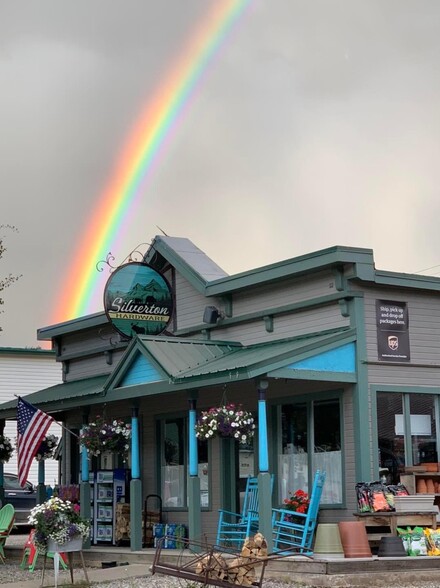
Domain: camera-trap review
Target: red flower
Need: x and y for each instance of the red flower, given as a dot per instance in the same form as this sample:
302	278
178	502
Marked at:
298	502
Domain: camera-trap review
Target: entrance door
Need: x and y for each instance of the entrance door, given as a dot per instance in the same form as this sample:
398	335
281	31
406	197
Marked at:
237	463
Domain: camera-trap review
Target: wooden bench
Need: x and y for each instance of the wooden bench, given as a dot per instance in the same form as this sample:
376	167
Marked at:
392	520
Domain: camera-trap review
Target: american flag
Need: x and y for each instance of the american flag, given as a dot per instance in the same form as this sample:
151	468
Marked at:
32	426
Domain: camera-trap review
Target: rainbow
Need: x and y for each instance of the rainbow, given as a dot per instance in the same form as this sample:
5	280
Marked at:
139	158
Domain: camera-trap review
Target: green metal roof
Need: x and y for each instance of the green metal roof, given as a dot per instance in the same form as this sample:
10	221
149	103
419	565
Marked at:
200	362
59	397
257	359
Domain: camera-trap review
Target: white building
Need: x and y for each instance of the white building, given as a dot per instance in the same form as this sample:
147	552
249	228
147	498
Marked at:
22	371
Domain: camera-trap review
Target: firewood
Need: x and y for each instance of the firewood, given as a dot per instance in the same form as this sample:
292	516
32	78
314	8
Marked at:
213	566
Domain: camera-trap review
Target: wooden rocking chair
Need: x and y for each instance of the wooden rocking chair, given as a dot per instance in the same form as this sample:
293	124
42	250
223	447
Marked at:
293	530
233	528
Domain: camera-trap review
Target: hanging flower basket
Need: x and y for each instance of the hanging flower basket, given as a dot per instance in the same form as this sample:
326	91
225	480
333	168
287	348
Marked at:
101	436
58	521
47	448
228	420
6	449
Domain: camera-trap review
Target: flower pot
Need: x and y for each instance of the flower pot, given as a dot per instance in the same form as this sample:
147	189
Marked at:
328	541
391	547
354	539
74	544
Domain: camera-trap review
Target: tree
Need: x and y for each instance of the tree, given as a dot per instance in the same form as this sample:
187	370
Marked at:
10	279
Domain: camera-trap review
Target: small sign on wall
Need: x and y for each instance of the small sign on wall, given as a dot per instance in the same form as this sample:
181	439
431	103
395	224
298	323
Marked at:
392	330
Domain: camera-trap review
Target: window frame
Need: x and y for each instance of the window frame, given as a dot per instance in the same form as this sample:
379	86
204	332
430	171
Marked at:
160	421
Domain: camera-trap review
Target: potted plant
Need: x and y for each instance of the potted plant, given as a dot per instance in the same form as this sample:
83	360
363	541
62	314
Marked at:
228	420
298	501
47	448
6	449
102	436
58	526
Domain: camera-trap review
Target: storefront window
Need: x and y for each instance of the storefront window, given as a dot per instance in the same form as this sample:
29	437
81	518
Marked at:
327	445
423	428
174	448
405	421
314	426
173	468
390	431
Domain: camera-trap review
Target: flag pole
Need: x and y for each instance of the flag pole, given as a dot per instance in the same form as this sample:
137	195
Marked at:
58	423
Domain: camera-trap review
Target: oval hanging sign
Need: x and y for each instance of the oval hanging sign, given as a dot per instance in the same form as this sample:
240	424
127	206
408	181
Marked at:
138	300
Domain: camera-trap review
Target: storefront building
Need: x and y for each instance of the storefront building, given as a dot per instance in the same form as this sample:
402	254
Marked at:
338	361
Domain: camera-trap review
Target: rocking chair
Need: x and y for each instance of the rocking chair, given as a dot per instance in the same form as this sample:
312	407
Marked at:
295	530
233	528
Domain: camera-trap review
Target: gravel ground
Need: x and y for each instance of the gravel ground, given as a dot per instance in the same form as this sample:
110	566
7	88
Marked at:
10	573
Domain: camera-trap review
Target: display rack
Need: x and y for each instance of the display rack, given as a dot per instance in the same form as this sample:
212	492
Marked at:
104	507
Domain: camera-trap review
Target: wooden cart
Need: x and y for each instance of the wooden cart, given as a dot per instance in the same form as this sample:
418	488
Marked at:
214	565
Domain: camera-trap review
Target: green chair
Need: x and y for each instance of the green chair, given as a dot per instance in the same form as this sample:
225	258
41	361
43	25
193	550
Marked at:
7	518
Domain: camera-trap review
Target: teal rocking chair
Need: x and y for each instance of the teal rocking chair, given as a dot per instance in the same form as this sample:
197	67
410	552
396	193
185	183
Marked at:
293	531
233	528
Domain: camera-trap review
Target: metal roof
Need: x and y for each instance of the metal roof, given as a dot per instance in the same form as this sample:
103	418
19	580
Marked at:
58	395
184	360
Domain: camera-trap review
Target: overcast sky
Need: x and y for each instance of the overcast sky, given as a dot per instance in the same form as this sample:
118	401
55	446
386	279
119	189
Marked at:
317	124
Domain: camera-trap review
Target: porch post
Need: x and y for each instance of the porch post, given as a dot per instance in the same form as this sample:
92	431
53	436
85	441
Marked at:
194	509
135	485
84	487
2	479
41	487
264	478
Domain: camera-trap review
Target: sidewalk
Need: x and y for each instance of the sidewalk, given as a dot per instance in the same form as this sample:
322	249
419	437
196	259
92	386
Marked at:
95	575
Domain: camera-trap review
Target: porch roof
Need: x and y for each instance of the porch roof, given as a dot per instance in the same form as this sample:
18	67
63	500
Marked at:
157	365
59	397
167	364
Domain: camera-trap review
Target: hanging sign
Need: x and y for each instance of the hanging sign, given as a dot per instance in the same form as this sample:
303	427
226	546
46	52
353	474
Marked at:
138	300
392	330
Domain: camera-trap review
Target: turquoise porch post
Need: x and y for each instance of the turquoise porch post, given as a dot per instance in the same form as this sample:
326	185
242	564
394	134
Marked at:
135	484
264	481
194	509
84	487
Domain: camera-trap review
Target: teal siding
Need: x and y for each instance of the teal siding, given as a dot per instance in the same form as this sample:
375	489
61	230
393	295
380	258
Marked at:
341	359
141	371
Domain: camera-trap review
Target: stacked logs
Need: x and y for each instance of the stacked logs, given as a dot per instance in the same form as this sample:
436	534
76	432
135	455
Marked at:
122	527
240	570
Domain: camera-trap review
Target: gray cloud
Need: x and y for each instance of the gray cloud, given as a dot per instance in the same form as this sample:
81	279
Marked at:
316	124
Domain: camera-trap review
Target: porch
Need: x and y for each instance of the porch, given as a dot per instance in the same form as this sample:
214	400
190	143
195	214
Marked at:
320	571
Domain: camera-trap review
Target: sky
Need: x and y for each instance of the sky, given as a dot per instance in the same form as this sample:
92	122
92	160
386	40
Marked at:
315	124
